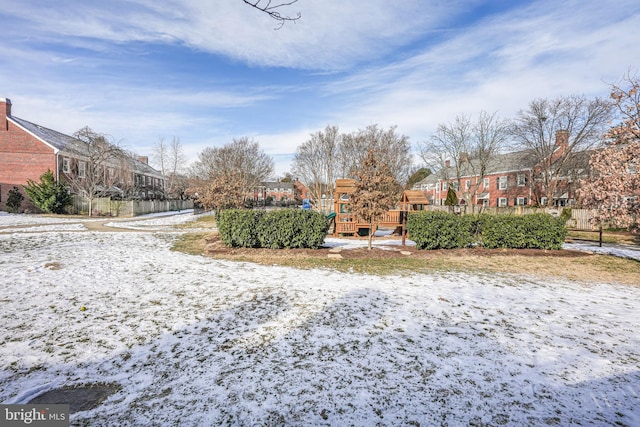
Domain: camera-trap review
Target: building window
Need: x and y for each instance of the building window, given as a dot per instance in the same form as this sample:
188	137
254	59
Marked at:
486	183
502	202
66	168
521	201
521	180
543	201
467	184
82	166
502	183
445	186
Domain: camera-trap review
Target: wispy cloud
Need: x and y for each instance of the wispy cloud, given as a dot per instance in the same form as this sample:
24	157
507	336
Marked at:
210	71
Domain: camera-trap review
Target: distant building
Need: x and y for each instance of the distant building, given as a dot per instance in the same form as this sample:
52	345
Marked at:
510	180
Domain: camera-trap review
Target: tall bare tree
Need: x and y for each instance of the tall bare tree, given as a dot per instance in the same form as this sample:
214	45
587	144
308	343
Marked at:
241	162
315	161
393	149
581	124
376	191
99	169
465	148
448	148
170	159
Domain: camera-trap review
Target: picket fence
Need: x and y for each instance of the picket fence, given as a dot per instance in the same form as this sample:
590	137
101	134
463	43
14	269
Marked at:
105	206
581	219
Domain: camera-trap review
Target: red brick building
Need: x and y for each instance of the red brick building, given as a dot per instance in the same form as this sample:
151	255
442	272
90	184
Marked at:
27	150
510	180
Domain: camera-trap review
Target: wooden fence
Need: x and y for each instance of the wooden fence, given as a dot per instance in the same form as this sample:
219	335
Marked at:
105	206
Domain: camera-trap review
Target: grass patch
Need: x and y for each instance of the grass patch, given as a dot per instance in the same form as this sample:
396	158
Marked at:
548	264
203	221
191	243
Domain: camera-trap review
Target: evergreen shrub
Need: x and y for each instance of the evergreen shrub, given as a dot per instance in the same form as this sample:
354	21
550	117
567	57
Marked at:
443	230
238	227
284	228
440	230
292	228
535	231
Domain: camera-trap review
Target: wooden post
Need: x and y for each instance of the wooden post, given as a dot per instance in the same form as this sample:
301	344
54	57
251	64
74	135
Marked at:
404	226
600	236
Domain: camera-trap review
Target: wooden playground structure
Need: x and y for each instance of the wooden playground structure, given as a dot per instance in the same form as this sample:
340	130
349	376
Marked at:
347	225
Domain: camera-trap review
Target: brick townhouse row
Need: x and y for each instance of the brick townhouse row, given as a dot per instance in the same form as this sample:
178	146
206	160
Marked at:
27	150
510	180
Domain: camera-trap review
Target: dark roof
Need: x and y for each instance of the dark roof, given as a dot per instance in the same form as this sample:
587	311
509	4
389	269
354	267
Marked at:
73	146
57	140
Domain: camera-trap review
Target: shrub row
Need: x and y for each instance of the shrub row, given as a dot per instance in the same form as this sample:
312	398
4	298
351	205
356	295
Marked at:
287	228
442	230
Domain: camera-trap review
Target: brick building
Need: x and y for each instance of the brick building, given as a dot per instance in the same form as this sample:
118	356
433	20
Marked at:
27	150
511	179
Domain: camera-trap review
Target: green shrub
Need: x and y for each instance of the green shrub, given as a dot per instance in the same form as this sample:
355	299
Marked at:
535	231
48	195
440	230
238	227
292	228
286	228
14	200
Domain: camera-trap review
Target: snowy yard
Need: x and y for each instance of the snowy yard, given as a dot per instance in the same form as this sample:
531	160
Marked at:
196	341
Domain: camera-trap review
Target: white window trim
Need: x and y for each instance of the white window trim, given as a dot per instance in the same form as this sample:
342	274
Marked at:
66	165
502	183
503	202
82	169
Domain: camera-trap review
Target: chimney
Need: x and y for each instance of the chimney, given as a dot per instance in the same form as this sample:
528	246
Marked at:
143	159
5	111
562	139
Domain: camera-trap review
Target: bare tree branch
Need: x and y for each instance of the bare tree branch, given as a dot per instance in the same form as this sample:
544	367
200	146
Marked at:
270	9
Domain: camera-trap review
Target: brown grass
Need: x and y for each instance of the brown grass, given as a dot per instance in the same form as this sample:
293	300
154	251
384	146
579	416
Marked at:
567	264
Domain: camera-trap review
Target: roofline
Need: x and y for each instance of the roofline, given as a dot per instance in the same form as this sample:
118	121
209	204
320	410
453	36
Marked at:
55	150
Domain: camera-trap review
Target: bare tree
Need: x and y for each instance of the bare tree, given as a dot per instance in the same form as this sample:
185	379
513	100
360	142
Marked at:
465	148
241	162
315	161
555	130
170	158
272	9
447	150
98	169
376	191
393	150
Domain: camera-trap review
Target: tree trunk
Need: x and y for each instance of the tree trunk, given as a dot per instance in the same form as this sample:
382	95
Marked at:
371	231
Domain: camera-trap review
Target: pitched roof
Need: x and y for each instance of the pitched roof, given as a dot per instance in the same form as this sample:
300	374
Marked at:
57	140
73	146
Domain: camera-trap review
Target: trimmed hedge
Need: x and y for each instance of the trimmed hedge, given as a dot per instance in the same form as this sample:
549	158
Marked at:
287	228
440	230
443	230
535	231
237	227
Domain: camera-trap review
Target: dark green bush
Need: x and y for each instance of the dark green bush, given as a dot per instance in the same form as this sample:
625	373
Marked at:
286	228
292	228
238	227
535	231
440	230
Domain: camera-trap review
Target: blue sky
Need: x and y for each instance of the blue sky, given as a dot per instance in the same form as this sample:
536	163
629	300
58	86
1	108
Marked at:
208	71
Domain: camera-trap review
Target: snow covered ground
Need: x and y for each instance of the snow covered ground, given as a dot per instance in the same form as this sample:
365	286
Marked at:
197	341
